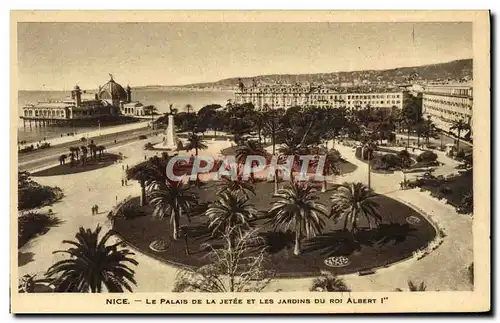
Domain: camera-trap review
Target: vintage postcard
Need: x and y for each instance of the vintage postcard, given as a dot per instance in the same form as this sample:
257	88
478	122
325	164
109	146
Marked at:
250	162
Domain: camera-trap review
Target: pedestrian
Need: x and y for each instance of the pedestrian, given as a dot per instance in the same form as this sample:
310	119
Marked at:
144	157
127	166
96	209
93	210
115	141
123	181
126	182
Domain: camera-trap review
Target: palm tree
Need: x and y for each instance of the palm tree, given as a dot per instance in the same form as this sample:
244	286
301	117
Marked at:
405	157
459	126
195	142
84	154
249	148
62	159
140	173
72	158
93	265
258	122
151	109
296	209
328	282
352	201
101	149
75	151
170	199
331	166
369	147
291	148
237	186
231	211
92	148
412	287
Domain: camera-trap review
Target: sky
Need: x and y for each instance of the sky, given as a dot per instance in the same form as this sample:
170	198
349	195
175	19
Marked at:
56	56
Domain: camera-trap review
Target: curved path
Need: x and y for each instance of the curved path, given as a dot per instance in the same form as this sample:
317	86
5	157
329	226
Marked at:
443	269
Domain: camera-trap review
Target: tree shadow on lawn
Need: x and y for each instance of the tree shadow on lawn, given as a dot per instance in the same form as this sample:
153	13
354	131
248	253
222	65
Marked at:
105	160
24	258
345	243
276	241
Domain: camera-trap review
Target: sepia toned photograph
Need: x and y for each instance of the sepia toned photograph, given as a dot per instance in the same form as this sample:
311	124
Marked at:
190	162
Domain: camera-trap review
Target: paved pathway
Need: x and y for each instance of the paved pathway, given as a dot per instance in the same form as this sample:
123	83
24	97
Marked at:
443	269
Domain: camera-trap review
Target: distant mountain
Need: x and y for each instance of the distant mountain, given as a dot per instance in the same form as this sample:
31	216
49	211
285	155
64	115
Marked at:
454	70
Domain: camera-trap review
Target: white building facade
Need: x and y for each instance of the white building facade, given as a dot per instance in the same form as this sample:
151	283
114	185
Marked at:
446	103
286	96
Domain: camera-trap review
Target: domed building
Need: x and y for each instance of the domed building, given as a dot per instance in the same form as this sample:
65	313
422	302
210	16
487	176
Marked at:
111	100
113	93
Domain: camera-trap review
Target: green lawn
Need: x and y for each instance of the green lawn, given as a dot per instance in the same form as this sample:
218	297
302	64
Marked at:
394	240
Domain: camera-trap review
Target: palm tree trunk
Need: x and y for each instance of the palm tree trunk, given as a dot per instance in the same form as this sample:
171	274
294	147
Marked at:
274	142
143	193
408	144
369	170
323	186
296	250
186	246
175	225
275	181
346	221
458	139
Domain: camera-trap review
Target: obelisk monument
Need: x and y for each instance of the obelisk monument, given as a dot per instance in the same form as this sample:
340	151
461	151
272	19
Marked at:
171	136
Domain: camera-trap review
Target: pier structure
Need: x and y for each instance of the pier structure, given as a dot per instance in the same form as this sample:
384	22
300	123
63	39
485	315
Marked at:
111	100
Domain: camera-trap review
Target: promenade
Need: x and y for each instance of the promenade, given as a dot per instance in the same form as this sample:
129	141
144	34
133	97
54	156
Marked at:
93	133
443	269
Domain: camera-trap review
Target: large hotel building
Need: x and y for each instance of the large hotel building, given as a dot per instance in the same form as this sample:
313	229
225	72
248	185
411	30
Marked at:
446	103
286	96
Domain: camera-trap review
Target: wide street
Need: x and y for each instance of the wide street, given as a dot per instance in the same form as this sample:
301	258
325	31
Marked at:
44	157
443	269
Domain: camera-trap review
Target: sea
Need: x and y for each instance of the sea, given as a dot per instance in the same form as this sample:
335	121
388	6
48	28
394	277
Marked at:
162	99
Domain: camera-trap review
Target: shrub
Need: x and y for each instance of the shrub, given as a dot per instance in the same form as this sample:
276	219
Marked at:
130	211
142	137
391	160
83	139
32	224
445	190
427	156
35	195
466	204
460	154
386	162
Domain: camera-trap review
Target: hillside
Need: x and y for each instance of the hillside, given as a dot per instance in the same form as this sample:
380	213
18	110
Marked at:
454	70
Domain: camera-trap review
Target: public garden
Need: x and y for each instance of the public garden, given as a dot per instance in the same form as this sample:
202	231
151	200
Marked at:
367	255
